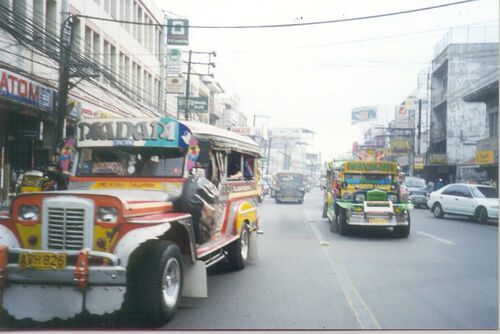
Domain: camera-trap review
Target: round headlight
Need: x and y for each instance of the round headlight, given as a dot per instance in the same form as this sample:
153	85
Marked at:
347	195
359	197
107	214
28	212
392	197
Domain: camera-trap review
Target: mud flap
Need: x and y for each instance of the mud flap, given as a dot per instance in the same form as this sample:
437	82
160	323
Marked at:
253	251
195	279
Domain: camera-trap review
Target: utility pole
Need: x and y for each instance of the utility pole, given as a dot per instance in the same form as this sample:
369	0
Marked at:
66	40
268	155
188	81
186	106
419	125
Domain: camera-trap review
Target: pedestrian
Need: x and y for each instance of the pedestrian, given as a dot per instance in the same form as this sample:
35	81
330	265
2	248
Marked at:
430	186
439	184
61	179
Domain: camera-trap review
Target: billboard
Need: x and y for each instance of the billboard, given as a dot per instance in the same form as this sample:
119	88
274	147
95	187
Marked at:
363	114
400	146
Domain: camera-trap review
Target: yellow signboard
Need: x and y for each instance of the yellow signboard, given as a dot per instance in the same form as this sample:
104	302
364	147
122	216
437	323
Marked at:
485	157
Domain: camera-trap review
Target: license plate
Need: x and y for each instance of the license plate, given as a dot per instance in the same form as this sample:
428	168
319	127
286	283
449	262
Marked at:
378	220
42	261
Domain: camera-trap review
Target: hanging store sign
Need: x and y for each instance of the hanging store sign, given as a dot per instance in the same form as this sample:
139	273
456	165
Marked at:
485	157
400	146
419	163
174	61
19	88
196	104
177	32
438	159
175	85
363	114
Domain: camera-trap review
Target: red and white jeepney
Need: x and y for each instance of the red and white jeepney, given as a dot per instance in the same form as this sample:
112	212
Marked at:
150	206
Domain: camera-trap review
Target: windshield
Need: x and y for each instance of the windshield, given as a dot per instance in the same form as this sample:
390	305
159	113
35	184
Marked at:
131	161
296	179
484	192
368	178
415	183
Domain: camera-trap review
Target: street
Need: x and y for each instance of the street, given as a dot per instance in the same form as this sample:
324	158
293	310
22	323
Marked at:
444	276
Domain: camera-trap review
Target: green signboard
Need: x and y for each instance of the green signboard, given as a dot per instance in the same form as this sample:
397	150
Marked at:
196	104
177	32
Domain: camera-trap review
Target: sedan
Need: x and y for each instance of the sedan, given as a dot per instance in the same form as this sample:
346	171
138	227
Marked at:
478	202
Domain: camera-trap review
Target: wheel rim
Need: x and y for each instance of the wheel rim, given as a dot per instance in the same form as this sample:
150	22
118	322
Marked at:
437	210
171	282
244	244
482	215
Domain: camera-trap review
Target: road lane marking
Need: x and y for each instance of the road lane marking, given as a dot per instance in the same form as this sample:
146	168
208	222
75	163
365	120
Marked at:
362	312
448	242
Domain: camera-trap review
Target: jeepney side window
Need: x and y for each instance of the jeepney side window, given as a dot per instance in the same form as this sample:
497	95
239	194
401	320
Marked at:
221	163
248	167
234	168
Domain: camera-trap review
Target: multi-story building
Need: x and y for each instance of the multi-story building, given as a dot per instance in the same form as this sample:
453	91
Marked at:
115	69
485	90
461	58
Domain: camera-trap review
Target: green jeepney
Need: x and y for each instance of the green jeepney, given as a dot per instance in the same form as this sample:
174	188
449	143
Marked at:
367	194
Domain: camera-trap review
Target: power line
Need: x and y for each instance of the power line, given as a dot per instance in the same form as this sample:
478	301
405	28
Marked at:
286	25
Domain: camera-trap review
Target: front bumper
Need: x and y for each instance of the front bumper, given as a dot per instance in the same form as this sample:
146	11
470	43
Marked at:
360	219
419	199
46	294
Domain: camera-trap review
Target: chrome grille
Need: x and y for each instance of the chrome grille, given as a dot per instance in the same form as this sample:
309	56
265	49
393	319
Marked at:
67	223
66	228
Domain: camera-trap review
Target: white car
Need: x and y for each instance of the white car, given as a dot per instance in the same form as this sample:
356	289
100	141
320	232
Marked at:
478	202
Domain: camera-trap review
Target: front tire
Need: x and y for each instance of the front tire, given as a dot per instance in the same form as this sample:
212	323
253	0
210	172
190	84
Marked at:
437	210
342	226
481	215
238	250
155	286
403	231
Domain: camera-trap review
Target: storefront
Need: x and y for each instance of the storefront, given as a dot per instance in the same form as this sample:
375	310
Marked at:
27	127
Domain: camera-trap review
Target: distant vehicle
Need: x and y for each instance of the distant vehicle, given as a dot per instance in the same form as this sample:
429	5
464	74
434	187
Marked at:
478	202
366	195
417	189
289	187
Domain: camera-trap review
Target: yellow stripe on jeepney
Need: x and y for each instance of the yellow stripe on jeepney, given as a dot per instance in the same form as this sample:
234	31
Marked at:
247	212
126	185
28	231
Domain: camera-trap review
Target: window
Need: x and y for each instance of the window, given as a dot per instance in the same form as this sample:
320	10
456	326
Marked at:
494	124
38	22
88	42
112	63
20	14
463	191
452	190
51	21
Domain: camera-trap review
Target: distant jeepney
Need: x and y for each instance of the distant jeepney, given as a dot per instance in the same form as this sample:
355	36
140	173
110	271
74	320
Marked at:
366	194
150	206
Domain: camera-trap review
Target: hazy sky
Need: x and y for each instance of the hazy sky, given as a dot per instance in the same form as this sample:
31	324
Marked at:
312	76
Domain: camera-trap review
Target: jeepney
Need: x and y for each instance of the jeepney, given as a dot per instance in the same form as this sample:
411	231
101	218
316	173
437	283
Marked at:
150	206
289	187
367	195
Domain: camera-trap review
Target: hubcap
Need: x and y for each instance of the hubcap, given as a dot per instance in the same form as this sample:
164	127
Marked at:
244	244
171	282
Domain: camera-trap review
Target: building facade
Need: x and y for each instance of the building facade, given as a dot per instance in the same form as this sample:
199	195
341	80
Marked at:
115	70
456	125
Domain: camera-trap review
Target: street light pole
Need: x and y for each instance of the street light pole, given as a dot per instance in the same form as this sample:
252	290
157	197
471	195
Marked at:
186	106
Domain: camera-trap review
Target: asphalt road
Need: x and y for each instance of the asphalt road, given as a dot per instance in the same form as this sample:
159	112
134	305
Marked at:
443	276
